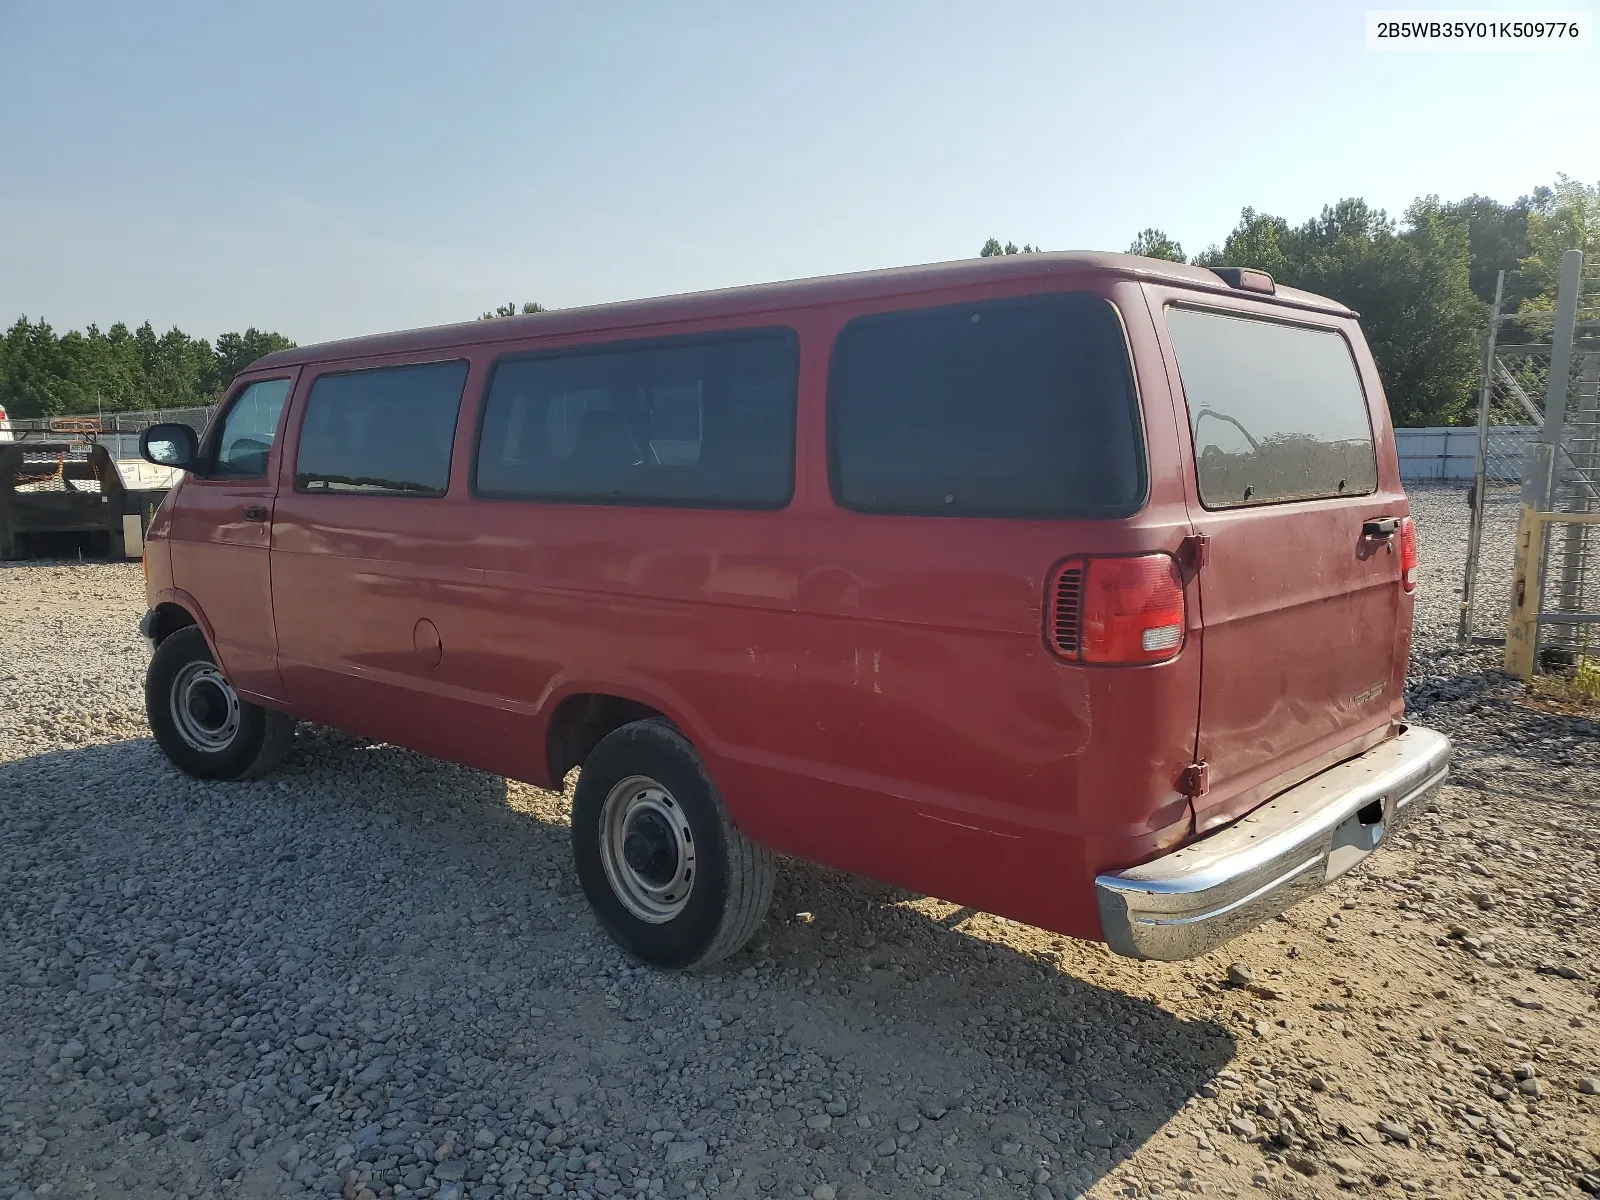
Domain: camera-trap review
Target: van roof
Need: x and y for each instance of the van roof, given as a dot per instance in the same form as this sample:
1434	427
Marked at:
756	299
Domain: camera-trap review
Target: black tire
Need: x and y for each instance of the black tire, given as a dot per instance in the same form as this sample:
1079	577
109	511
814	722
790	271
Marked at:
730	885
222	736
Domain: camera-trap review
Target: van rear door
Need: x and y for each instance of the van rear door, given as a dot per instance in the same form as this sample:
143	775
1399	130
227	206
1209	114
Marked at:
1305	623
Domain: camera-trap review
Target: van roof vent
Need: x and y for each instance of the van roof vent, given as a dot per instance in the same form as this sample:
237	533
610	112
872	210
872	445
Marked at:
1246	279
1066	609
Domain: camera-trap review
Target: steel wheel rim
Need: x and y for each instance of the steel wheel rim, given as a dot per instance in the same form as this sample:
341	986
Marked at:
204	706
647	849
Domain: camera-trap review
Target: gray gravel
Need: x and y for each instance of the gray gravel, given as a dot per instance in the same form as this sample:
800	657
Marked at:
1443	519
372	975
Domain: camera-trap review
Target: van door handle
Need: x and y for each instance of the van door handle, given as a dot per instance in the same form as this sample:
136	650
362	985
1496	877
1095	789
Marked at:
1380	527
255	512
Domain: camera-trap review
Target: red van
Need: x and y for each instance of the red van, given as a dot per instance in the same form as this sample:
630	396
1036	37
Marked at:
1072	587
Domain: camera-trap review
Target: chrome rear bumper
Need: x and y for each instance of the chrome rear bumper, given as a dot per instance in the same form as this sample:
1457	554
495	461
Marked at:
1194	899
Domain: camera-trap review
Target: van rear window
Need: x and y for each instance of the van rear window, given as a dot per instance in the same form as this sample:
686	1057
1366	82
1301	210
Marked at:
1277	410
1013	408
706	423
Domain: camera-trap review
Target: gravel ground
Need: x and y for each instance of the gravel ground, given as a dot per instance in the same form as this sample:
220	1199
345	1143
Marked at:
372	975
1443	518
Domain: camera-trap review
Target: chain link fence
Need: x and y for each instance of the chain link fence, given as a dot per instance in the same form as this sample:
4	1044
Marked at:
1571	579
119	431
138	422
1513	401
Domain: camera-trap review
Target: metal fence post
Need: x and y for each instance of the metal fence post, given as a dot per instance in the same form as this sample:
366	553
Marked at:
1568	586
1544	477
1481	470
1555	394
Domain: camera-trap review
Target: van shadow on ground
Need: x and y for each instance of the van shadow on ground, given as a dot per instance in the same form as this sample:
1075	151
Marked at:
424	880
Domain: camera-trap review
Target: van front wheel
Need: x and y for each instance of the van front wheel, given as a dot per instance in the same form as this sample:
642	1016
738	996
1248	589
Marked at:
206	728
666	871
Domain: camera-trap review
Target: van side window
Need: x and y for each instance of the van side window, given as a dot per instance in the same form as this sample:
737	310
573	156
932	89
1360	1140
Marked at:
1276	410
1013	408
248	430
384	431
708	422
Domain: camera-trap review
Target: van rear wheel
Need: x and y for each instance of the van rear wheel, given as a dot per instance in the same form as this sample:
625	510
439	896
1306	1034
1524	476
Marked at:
202	725
665	870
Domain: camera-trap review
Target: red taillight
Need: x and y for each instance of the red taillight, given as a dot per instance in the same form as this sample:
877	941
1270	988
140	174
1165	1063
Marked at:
1408	554
1117	610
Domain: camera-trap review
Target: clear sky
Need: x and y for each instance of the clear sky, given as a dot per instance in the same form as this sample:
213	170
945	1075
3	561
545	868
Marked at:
333	168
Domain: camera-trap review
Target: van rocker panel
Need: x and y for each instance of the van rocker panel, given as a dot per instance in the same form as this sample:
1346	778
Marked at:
1190	901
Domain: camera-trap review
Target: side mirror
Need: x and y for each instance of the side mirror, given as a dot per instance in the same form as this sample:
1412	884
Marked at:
170	446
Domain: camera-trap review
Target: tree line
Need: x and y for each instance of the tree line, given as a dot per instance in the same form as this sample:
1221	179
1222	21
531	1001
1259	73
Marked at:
1423	284
119	369
43	374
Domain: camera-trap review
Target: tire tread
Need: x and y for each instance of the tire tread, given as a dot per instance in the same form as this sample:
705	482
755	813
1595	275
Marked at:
751	868
265	735
277	739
